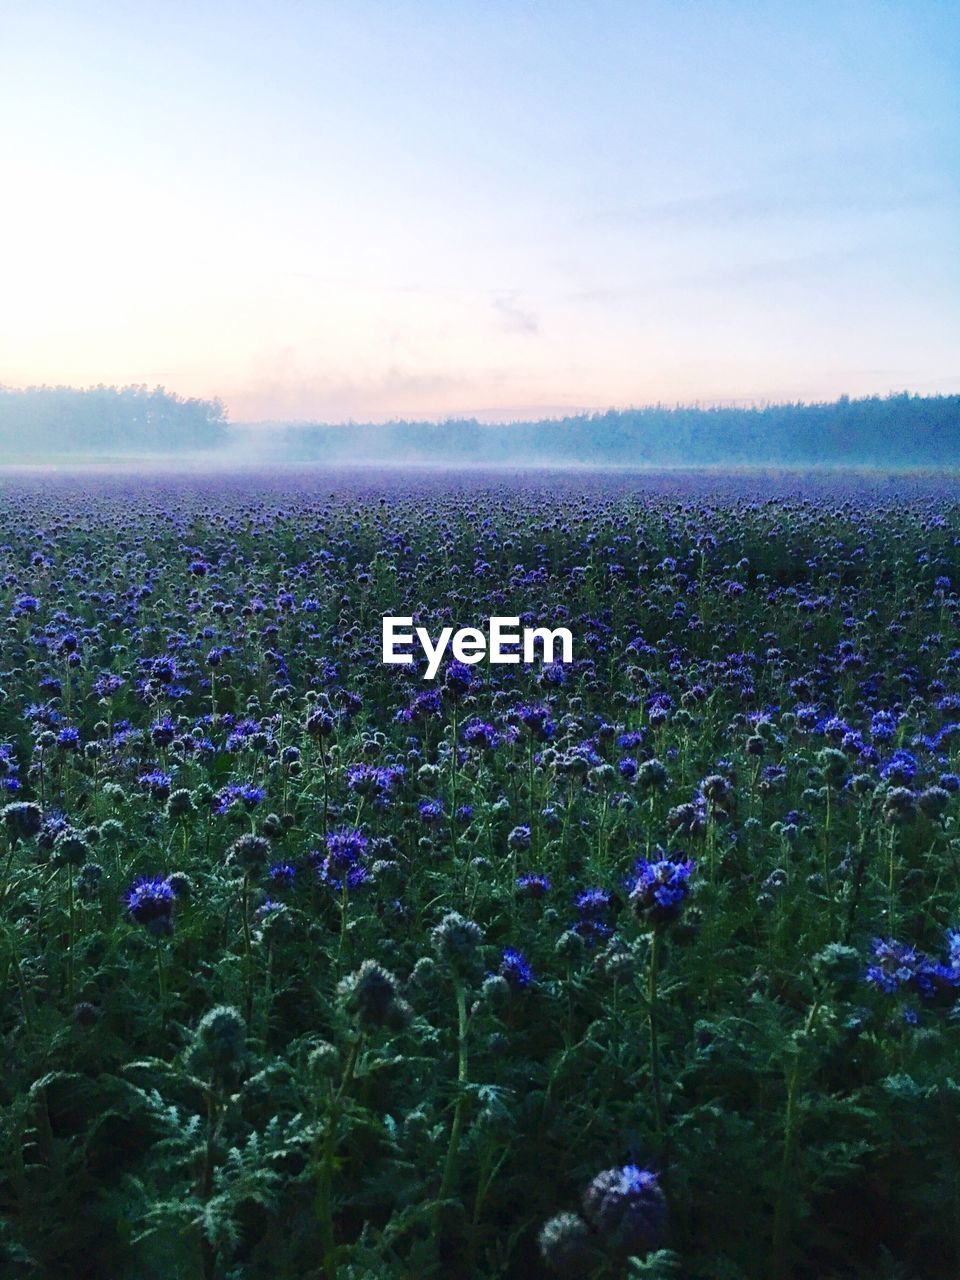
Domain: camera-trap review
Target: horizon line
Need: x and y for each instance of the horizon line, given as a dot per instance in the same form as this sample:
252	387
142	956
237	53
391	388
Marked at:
480	418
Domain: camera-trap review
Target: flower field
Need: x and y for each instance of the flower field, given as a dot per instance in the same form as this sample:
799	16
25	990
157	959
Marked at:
642	965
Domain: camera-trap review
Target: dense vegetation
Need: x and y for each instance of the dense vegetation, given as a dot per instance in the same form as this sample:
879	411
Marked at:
645	965
54	421
891	431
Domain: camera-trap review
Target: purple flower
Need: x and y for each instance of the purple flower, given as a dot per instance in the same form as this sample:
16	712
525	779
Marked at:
163	671
150	903
477	733
157	783
900	769
163	732
899	967
356	877
883	726
423	706
251	795
515	969
519	837
532	885
430	810
536	720
458	679
244	793
346	846
593	906
660	889
627	1209
377	782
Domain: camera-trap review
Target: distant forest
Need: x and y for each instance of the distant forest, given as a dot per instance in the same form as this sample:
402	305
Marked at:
102	421
890	431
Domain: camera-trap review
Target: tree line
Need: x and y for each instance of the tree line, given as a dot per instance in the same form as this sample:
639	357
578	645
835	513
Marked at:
899	430
54	421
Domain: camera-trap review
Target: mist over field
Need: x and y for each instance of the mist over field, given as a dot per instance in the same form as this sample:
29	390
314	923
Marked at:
51	425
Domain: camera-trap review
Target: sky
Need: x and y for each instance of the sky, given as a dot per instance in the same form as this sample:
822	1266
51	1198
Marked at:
420	208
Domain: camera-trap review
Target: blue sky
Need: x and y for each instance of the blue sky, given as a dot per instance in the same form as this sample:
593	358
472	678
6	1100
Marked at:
360	210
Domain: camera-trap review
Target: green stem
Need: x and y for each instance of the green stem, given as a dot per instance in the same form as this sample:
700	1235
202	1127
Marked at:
655	1032
208	1251
530	771
161	986
247	949
781	1219
453	1148
11	846
70	900
344	907
326	788
892	882
21	986
325	1188
453	784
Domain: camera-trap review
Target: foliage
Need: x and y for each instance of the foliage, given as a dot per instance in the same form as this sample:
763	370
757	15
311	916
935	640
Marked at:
642	965
54	421
882	431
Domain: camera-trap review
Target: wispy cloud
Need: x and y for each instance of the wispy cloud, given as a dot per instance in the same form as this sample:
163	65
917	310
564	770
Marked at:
840	185
513	317
732	275
761	271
